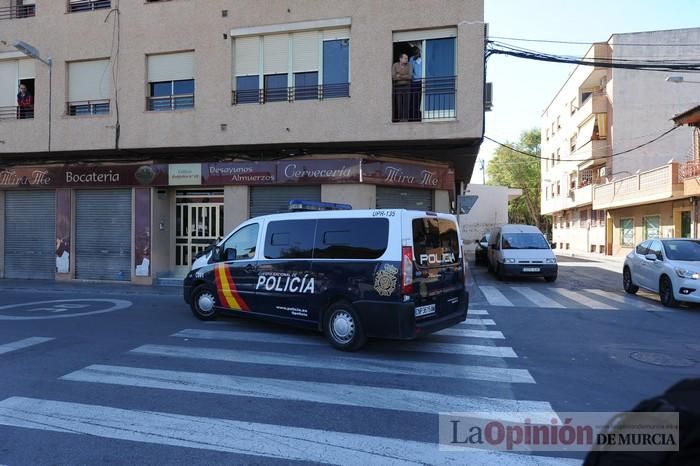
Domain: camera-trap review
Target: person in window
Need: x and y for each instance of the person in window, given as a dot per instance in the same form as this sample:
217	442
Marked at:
401	76
416	63
25	103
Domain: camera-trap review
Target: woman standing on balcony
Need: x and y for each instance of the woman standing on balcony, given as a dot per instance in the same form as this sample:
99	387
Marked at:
401	76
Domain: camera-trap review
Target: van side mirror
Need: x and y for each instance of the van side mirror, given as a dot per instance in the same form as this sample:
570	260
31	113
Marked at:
553	245
231	254
216	254
650	257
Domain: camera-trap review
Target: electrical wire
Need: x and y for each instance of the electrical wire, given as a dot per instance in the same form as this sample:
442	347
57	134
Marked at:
549	41
585	160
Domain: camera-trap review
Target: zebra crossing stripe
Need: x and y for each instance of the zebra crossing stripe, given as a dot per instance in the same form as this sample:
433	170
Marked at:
478	312
537	298
582	299
423	346
470	321
246	438
347	363
627	300
21	344
470	333
315	392
494	297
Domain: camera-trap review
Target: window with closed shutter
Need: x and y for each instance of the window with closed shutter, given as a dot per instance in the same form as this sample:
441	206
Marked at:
89	87
171	81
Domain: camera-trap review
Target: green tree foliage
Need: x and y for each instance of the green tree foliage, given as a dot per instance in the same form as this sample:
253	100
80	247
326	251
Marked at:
509	168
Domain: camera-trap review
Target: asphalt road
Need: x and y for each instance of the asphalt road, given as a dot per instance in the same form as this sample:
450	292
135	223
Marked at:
126	375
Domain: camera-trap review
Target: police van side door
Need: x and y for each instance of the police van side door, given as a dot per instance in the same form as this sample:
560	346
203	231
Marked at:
285	284
235	274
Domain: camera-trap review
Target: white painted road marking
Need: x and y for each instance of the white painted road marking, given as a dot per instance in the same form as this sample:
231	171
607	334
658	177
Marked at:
478	322
463	332
495	297
21	344
114	305
638	303
461	371
282	442
582	299
423	346
478	312
315	392
537	298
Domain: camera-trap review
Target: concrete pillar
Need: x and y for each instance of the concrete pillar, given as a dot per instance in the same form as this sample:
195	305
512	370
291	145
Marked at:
441	201
162	236
236	206
359	196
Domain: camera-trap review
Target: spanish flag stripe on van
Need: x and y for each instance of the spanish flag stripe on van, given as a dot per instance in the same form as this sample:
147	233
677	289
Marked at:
226	289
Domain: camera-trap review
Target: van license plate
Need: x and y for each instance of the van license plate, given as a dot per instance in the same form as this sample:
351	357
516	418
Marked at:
425	310
531	269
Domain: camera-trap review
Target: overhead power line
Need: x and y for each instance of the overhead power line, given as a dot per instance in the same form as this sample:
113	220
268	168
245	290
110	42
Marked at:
587	159
549	41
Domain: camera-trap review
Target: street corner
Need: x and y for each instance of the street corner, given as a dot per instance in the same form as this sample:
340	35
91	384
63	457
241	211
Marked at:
61	308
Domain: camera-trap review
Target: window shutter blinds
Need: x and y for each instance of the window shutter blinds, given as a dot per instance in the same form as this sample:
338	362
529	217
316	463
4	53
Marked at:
8	83
334	34
26	69
246	56
28	2
89	80
170	67
276	54
305	51
406	36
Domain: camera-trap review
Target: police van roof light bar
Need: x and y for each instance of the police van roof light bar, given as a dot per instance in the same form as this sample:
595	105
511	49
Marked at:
301	205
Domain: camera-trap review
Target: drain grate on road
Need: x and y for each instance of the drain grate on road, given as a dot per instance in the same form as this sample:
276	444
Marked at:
660	359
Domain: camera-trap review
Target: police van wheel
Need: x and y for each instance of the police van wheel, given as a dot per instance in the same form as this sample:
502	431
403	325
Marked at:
203	303
343	328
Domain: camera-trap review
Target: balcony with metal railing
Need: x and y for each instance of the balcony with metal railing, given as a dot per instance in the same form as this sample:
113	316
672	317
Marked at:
17	10
428	99
16	113
659	184
88	107
170	103
87	5
290	94
690	176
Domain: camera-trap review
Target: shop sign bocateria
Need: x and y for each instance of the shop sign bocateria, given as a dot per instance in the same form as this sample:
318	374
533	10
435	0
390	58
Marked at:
297	171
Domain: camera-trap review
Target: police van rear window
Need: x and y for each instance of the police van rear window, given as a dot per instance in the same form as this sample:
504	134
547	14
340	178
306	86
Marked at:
435	242
290	239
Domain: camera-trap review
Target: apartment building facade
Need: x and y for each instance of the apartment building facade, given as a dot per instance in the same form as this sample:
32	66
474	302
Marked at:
605	194
157	126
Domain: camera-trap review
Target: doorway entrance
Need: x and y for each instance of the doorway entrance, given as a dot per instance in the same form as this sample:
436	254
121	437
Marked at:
199	222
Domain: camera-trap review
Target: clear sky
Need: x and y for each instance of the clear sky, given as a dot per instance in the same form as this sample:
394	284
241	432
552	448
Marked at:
523	88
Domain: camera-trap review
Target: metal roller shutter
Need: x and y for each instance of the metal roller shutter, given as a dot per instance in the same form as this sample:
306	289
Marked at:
404	198
275	199
103	234
30	234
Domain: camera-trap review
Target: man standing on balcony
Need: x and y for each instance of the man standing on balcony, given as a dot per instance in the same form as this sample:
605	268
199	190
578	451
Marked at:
401	76
416	63
25	103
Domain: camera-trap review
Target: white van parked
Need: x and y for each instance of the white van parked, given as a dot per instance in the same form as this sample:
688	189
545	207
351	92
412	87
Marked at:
521	250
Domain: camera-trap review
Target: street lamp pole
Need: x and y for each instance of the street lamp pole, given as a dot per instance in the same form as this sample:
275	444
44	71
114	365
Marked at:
32	52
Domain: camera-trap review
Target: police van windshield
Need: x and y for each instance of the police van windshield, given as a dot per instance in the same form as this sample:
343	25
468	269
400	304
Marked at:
524	241
435	241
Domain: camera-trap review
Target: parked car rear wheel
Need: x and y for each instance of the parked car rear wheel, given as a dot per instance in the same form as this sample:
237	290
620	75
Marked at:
666	292
630	287
343	328
550	278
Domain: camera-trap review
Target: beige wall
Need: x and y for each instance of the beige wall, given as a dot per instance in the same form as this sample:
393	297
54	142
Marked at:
359	196
580	239
236	207
149	28
441	201
663	209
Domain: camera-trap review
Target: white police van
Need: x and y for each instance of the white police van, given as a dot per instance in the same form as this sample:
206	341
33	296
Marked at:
351	274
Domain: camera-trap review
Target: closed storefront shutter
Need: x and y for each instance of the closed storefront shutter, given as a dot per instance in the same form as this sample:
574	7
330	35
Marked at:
266	200
30	234
404	198
103	234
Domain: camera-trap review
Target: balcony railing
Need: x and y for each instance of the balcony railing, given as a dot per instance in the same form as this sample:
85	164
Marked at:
170	103
88	5
17	11
290	94
16	113
690	169
649	186
88	107
427	99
